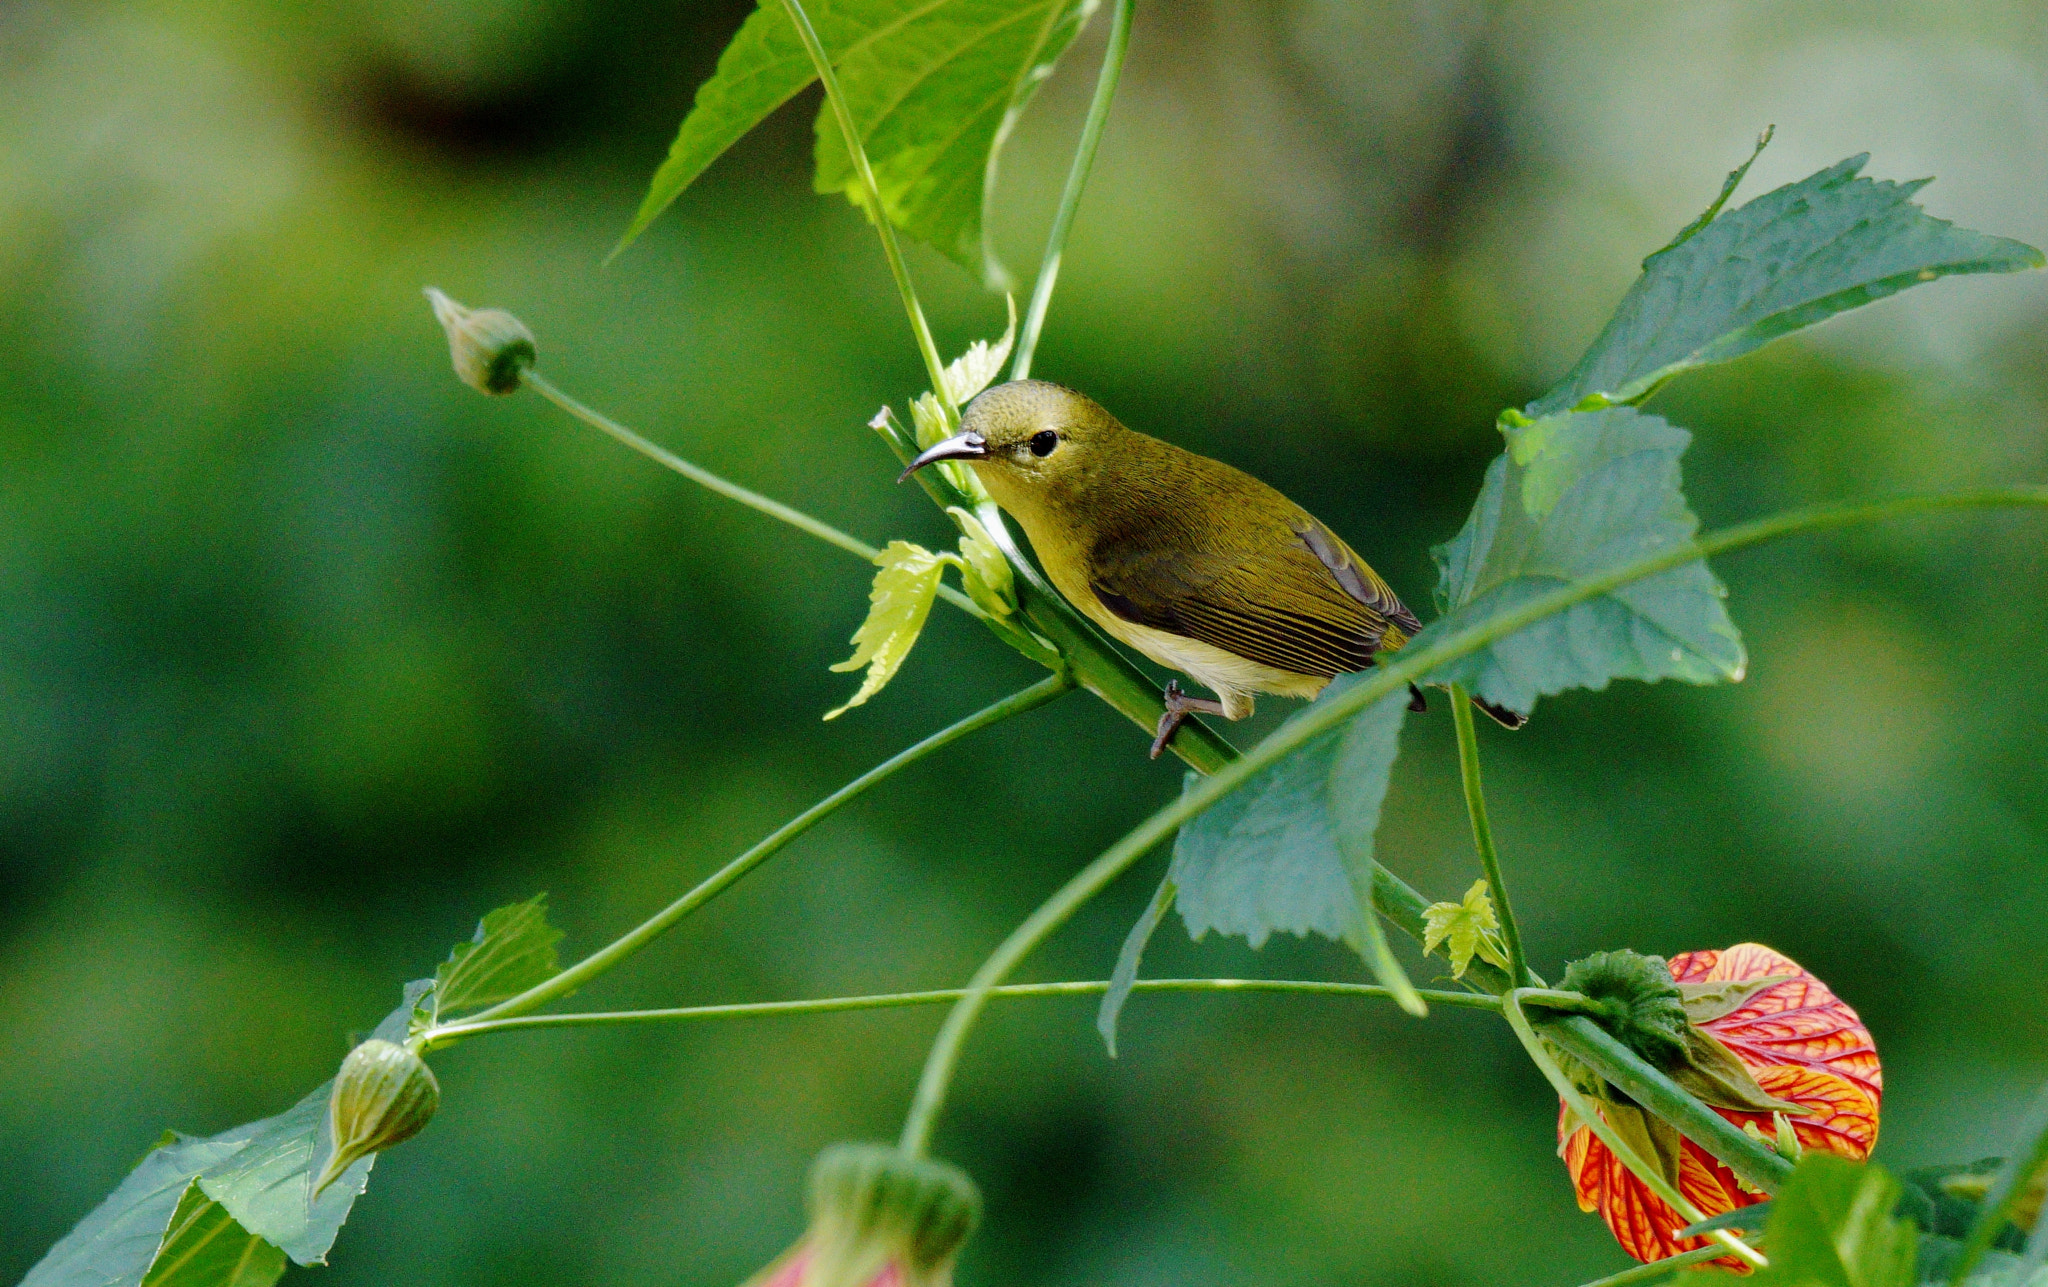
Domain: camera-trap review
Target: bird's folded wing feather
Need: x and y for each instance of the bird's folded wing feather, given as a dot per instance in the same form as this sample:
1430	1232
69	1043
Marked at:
1301	602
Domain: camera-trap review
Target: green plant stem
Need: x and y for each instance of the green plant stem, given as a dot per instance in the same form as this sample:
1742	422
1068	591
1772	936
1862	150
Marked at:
1403	905
1656	1269
1589	1113
1595	1047
730	490
1077	179
877	212
1482	832
449	1033
609	956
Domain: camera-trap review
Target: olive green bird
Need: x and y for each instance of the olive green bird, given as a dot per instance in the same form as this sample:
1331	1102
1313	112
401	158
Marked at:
1197	565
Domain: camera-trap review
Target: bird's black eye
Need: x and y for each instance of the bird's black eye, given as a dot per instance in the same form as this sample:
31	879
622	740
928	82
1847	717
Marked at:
1043	442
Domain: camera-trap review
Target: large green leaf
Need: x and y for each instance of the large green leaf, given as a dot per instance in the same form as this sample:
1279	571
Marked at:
512	950
192	1213
266	1185
205	1247
1729	284
1576	495
1291	850
1831	1225
935	87
116	1243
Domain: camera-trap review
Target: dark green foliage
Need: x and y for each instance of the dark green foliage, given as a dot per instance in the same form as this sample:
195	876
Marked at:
1291	851
1799	255
207	1247
1574	496
933	92
116	1244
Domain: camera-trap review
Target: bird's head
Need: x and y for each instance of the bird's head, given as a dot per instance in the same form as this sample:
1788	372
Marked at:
1028	438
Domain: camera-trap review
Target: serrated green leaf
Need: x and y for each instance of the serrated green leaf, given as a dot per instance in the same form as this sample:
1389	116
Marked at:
972	371
897	607
1292	849
1792	257
1831	1225
266	1185
935	89
205	1247
990	582
114	1245
512	950
1576	495
1469	927
259	1173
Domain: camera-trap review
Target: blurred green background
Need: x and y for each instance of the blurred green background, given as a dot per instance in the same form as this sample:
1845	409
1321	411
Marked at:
310	655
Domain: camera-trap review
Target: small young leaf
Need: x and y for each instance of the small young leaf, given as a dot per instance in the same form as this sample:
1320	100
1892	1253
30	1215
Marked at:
928	420
1799	255
990	583
1469	927
972	371
512	950
897	607
935	90
206	1248
1573	496
1292	849
1831	1225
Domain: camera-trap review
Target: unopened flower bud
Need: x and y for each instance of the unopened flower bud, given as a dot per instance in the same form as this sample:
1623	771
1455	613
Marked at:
879	1216
383	1095
489	346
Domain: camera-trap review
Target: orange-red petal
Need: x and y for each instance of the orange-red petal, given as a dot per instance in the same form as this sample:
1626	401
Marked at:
1804	1045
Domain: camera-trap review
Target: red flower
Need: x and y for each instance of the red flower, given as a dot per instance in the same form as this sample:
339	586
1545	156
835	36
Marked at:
790	1270
1802	1044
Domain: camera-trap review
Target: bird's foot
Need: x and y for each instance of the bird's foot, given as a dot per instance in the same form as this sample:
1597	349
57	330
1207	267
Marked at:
1178	707
1416	701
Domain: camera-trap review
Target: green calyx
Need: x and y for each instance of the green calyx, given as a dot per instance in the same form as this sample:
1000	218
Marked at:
871	1203
1635	999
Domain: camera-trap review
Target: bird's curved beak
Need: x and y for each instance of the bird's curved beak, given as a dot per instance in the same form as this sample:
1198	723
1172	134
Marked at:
961	446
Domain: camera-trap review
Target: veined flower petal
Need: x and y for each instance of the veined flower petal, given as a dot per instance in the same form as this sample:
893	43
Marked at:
1801	1042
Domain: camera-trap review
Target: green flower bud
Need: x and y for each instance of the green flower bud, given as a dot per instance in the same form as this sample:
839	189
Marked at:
383	1095
879	1216
489	346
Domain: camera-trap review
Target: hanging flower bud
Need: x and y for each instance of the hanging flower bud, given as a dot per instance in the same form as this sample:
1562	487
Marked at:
879	1218
383	1095
1761	1030
489	346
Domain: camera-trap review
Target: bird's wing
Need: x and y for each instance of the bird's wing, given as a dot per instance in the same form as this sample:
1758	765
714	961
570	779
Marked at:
1302	603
